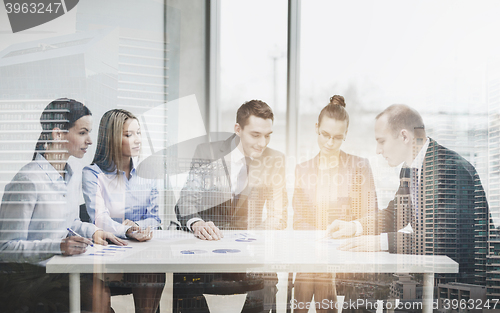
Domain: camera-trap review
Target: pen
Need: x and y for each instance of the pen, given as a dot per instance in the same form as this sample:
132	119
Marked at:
76	234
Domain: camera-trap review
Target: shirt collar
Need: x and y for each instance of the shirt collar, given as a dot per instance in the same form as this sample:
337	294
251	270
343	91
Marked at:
44	164
69	170
132	168
237	156
419	160
40	158
51	171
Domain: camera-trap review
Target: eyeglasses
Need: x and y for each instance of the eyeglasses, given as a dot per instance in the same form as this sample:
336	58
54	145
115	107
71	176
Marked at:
334	138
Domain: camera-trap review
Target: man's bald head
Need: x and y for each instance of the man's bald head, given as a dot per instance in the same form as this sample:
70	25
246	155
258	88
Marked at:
400	116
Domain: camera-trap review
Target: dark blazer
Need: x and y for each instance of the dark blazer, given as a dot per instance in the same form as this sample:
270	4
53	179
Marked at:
452	218
356	196
207	193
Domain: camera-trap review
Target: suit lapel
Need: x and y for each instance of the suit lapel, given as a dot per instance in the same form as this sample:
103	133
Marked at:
226	163
226	150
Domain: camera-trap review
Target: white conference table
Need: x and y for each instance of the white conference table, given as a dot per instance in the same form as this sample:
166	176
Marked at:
259	251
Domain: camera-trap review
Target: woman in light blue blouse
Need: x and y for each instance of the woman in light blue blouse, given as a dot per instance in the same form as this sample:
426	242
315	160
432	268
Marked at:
121	202
117	199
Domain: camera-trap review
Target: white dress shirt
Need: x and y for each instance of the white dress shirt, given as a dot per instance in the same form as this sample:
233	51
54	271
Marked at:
237	164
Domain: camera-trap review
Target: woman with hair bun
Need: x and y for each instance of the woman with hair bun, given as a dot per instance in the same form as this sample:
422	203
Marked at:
334	188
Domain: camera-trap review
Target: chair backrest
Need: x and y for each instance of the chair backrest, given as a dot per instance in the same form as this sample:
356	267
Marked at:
84	216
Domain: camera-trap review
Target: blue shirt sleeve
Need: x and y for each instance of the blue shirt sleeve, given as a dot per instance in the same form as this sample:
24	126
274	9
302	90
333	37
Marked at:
112	198
149	213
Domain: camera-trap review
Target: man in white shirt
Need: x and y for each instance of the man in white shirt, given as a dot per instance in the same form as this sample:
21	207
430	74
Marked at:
230	181
446	211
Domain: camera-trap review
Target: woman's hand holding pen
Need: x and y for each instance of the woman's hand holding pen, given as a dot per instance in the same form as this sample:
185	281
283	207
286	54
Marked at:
135	232
74	245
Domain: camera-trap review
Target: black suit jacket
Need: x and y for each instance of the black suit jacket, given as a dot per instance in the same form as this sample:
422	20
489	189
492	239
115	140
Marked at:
452	217
207	193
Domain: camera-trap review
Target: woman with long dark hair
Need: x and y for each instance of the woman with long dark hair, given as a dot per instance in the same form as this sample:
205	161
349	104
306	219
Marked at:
38	207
